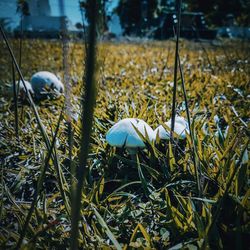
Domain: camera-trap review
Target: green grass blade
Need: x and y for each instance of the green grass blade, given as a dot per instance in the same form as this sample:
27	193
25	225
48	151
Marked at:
106	229
220	202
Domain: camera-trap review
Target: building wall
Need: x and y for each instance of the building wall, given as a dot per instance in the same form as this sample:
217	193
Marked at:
43	23
39	8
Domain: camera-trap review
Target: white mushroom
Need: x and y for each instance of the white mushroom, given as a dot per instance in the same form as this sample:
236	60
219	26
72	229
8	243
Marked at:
45	83
124	134
21	90
180	128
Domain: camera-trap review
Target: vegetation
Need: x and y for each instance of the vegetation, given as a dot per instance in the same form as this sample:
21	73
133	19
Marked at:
217	11
129	203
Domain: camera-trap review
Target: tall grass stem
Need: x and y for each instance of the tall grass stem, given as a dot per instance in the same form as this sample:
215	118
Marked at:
194	155
20	49
87	119
175	70
15	96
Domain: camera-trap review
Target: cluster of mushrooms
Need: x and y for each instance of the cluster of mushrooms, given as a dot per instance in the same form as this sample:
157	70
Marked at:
42	85
126	133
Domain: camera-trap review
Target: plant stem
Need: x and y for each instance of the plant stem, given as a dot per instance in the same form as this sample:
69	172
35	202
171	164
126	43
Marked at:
87	120
196	163
175	70
20	49
15	95
84	33
66	80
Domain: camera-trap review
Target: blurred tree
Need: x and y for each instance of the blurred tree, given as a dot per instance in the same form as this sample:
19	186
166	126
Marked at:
23	7
130	14
79	26
102	18
136	15
216	11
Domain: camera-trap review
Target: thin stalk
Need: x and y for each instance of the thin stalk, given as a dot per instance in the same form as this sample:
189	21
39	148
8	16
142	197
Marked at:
175	70
20	49
87	120
39	122
15	100
71	143
21	41
66	79
39	185
83	28
196	163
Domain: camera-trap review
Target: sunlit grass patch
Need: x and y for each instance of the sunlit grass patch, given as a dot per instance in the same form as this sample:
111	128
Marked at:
151	200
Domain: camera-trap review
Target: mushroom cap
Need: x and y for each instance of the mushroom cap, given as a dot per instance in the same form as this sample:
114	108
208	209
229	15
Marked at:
123	134
22	89
180	128
43	80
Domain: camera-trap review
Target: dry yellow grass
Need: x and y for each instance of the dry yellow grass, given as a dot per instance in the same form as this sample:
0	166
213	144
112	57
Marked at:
134	80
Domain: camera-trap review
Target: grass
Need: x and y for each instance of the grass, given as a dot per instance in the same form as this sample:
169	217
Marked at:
154	201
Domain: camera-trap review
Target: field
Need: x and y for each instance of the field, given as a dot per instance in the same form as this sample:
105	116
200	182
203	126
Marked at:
150	201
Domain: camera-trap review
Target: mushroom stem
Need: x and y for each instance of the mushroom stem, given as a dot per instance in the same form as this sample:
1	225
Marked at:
134	158
133	154
132	151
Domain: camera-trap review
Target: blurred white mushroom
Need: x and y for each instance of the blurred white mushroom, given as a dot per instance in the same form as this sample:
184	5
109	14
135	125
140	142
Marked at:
180	128
45	83
124	134
20	89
